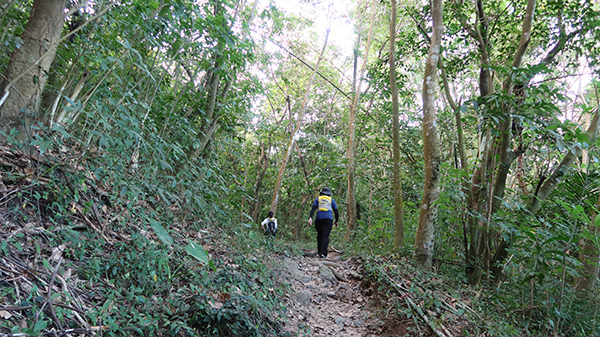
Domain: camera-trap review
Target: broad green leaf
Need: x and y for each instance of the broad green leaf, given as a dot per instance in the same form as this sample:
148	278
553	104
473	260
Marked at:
247	216
59	128
197	252
124	190
40	325
161	232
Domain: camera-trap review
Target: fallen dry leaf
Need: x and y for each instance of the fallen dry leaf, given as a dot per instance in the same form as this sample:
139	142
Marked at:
215	305
57	252
223	297
67	274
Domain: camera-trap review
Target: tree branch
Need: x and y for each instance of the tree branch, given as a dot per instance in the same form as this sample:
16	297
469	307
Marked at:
311	68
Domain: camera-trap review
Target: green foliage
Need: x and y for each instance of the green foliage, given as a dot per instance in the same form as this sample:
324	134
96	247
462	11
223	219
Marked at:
190	299
197	252
140	285
122	157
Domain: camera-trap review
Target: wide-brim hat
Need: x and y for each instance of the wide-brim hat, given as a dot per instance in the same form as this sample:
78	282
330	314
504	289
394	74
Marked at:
326	191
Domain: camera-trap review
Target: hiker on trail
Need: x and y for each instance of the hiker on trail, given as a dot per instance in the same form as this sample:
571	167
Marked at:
269	224
326	208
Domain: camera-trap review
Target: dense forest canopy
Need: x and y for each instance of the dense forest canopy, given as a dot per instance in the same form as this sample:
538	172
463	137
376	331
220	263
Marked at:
459	134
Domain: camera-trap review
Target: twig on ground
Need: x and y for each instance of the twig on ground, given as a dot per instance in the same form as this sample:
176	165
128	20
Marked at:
49	296
91	224
413	305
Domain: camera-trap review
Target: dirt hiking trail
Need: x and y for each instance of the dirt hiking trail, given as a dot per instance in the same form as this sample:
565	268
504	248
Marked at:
329	297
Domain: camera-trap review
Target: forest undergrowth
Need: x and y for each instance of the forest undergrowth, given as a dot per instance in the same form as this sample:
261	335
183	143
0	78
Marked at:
119	267
83	255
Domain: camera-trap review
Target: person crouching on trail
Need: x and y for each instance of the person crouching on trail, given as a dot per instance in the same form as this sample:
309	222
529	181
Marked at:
269	224
325	207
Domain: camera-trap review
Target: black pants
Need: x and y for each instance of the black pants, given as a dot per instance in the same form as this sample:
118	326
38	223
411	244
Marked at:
323	227
270	230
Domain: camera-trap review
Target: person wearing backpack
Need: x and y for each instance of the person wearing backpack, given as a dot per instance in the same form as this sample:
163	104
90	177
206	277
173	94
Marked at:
269	224
326	207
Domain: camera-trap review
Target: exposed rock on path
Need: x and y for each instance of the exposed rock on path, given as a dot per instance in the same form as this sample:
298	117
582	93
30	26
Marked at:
326	298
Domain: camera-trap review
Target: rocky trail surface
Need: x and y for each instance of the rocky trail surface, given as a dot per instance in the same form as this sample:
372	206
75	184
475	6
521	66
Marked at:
328	297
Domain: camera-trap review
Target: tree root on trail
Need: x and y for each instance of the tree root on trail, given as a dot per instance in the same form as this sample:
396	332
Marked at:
336	250
332	266
326	263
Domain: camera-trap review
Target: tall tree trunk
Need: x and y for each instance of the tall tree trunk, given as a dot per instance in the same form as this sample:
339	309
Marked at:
431	150
398	202
25	76
301	211
590	256
212	112
351	200
288	151
493	171
546	188
264	160
477	251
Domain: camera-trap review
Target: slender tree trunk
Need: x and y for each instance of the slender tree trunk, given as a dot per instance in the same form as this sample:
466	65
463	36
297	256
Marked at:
398	202
301	216
562	169
493	171
301	211
25	76
211	118
590	256
350	155
464	165
288	151
545	190
486	86
62	117
264	159
209	124
431	150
